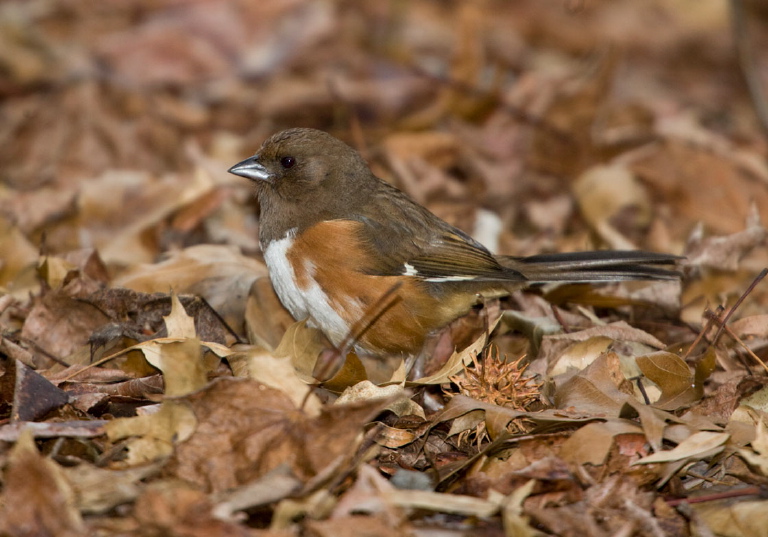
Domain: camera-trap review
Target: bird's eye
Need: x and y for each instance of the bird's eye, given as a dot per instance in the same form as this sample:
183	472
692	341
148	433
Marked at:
287	162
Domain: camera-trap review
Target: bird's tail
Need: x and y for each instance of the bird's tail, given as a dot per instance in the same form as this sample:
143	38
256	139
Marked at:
595	266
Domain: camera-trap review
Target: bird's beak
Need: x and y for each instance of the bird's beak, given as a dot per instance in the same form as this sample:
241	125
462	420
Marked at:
251	168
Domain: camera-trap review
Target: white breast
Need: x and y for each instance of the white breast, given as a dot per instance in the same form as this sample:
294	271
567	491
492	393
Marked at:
310	302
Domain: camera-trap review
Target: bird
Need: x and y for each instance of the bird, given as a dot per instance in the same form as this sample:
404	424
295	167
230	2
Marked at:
336	238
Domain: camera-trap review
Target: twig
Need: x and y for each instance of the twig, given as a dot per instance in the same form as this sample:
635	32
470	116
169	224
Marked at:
701	334
744	295
361	326
737	339
746	491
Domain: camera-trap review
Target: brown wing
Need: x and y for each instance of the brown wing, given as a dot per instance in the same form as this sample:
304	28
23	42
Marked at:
404	238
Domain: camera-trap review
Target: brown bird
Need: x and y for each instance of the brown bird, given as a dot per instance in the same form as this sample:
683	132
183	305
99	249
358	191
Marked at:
336	238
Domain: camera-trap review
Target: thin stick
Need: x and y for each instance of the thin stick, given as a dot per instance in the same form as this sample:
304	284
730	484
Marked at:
763	274
738	340
701	334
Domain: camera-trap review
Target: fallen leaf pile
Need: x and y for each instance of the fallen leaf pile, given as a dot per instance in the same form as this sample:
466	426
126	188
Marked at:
151	384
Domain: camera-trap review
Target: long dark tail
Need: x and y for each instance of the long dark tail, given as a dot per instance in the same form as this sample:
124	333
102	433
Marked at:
594	266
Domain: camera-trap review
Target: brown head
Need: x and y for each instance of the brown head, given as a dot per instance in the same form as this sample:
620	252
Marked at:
304	176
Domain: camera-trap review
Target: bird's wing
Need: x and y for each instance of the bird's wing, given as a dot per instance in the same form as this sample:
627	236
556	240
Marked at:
403	238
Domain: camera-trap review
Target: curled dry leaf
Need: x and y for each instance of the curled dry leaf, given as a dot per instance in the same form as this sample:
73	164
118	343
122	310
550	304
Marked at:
604	193
757	456
98	490
365	390
724	252
498	418
700	445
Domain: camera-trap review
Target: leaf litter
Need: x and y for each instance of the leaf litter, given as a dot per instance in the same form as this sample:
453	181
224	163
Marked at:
152	384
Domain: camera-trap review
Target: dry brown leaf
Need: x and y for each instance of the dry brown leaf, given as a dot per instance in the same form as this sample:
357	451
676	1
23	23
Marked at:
303	346
757	456
33	396
458	360
607	194
578	355
600	389
755	326
670	373
184	373
725	252
117	208
18	257
592	443
246	429
745	518
175	509
155	434
353	526
498	418
619	330
402	405
219	274
37	499
695	181
274	486
278	373
99	490
60	324
653	420
11	432
178	323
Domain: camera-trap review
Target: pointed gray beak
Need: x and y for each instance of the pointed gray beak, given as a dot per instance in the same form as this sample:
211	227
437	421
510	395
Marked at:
251	168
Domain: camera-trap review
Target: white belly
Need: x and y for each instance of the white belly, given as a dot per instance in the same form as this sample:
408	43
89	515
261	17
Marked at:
310	302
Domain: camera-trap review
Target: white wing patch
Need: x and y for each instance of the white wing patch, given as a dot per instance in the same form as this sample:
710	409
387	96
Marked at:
410	270
450	279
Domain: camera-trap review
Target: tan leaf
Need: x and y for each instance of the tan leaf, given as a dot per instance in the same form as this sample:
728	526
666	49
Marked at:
155	433
278	373
179	324
590	444
698	446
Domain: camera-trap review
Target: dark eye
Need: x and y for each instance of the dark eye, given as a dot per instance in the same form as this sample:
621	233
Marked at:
287	162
